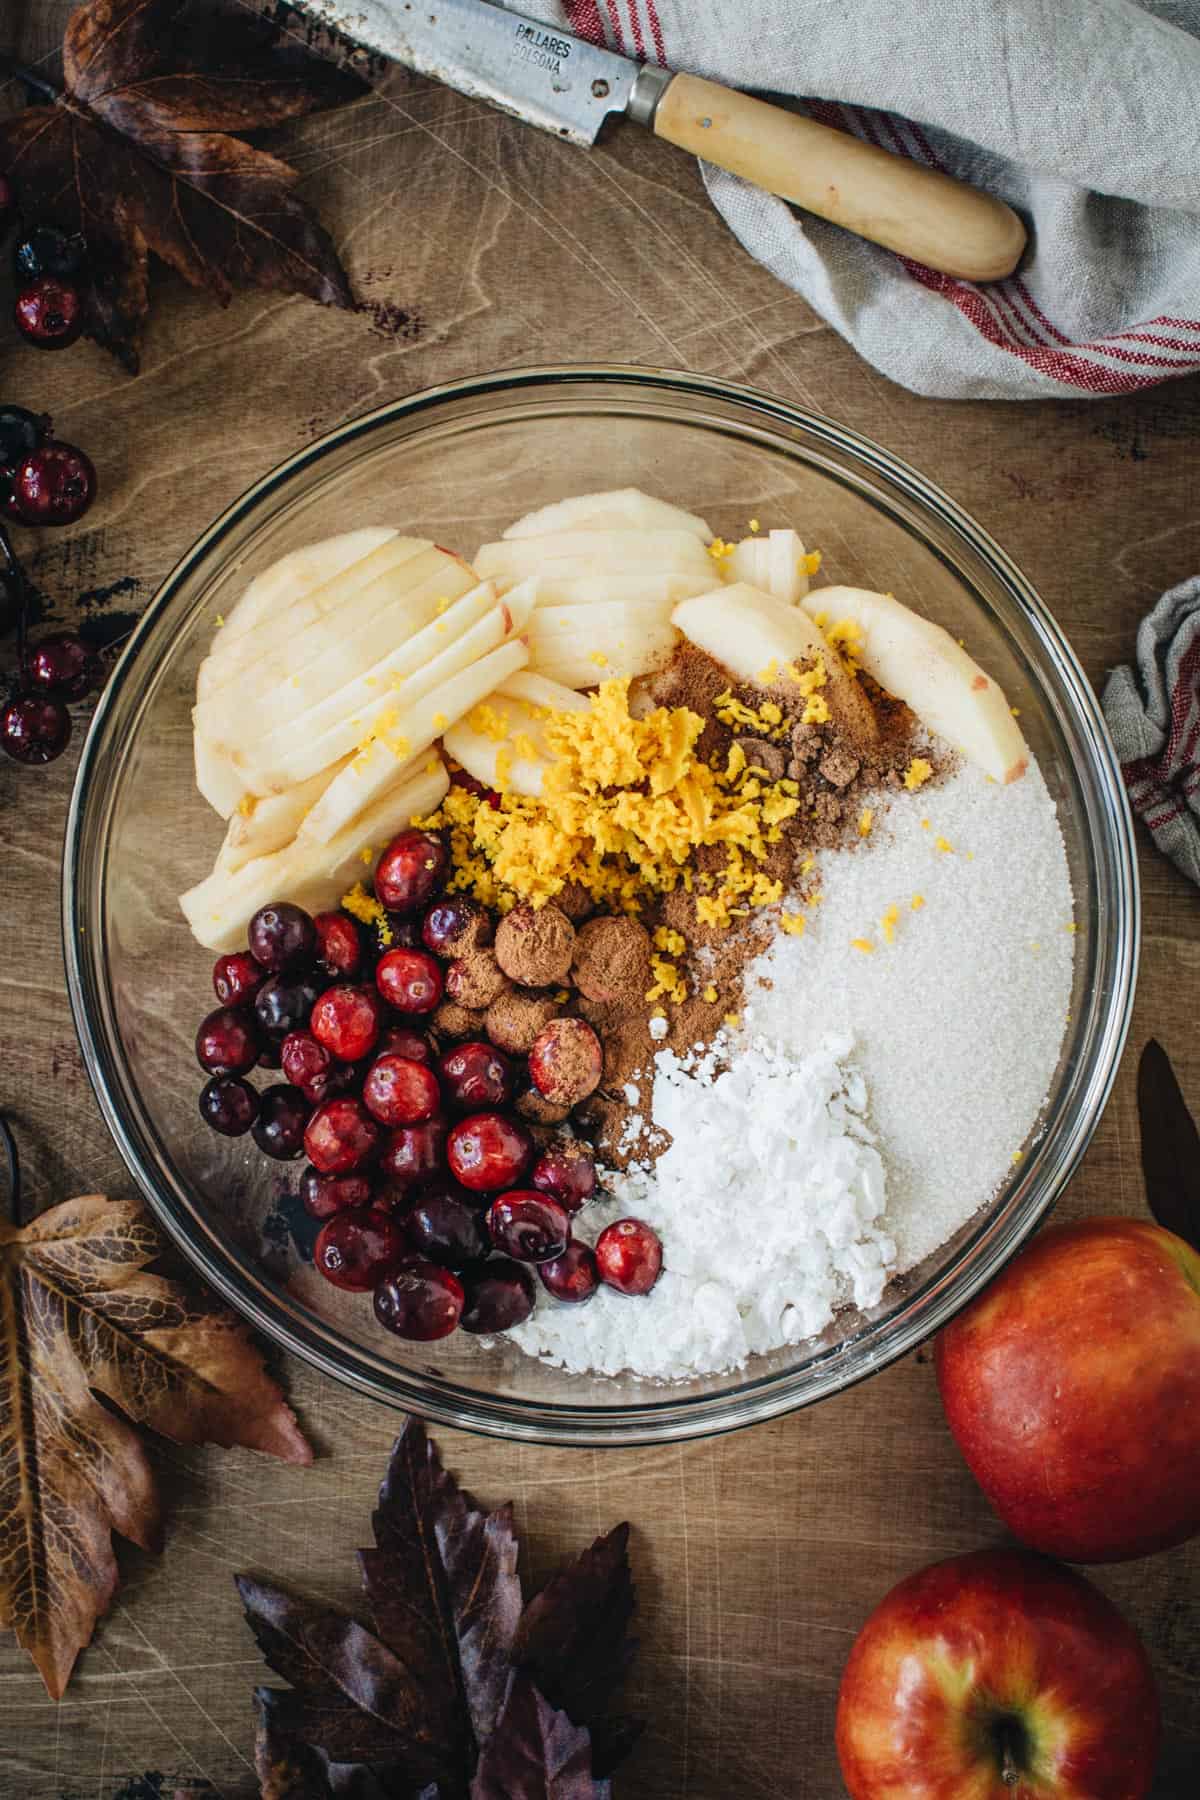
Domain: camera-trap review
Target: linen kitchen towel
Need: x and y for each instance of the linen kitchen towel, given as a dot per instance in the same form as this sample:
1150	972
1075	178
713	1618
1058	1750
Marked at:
1083	114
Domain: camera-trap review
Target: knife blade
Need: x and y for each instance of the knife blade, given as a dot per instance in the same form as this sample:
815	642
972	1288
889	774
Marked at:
547	77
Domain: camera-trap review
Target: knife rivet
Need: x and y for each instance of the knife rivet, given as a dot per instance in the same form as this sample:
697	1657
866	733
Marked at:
600	90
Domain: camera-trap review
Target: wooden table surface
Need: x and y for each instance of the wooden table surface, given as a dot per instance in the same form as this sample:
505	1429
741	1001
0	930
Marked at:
476	245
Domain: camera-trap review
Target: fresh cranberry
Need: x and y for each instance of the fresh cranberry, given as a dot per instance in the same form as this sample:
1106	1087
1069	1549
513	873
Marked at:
413	1154
398	931
270	1057
307	1064
409	980
455	925
487	1151
341	1136
284	1003
226	1043
572	1277
399	1092
347	1020
229	1105
410	871
279	1128
499	1295
53	485
528	1226
49	312
236	979
446	1227
34	729
281	936
356	1249
566	1172
566	1061
629	1256
419	1301
405	1040
323	1195
471	786
339	943
64	665
476	1075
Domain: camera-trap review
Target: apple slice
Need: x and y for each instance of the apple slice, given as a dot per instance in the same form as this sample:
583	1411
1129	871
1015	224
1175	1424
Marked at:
299	572
260	827
369	772
217	779
921	664
664	591
279	629
295	750
774	564
518	711
624	509
538	691
566	553
750	633
750	562
334	650
581	646
314	875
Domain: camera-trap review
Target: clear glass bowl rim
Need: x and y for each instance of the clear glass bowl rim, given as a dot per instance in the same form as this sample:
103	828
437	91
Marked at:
674	1417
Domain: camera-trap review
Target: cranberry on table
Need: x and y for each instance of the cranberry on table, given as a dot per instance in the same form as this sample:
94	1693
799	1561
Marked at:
566	1061
567	1172
53	485
419	1301
476	1075
629	1256
237	978
226	1043
356	1249
323	1195
34	729
283	1113
528	1226
572	1277
500	1295
413	1154
339	943
281	936
410	871
409	980
229	1105
444	1226
341	1136
49	312
398	1091
284	1003
406	1040
347	1020
62	664
487	1151
455	925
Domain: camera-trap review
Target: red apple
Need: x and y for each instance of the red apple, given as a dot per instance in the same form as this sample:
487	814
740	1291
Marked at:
997	1676
1073	1388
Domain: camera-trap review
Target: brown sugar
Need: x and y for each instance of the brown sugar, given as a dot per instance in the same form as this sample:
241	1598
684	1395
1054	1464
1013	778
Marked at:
612	961
534	946
514	1019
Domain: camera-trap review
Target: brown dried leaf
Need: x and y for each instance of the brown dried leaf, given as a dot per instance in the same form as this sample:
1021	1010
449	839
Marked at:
535	1753
81	1324
137	156
1170	1146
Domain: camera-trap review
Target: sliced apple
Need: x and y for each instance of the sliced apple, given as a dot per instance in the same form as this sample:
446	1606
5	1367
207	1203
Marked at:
295	750
921	664
750	562
516	730
217	779
581	646
299	572
774	564
569	553
624	509
313	874
664	591
751	633
538	691
368	773
260	827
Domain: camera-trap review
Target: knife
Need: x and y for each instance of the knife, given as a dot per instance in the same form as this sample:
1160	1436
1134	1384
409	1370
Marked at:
545	76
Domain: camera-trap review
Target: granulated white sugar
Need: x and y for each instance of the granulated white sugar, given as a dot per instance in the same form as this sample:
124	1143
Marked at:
904	1042
767	1202
958	1021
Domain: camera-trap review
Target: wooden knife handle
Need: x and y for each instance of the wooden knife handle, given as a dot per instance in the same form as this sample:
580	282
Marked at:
916	211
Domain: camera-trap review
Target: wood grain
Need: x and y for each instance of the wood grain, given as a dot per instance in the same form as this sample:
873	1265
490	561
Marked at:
478	244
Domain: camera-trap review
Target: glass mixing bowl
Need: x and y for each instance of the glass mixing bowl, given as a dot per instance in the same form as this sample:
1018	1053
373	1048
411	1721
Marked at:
457	464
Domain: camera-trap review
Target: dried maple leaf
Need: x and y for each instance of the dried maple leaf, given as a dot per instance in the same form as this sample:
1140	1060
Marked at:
81	1325
1170	1146
137	155
453	1693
